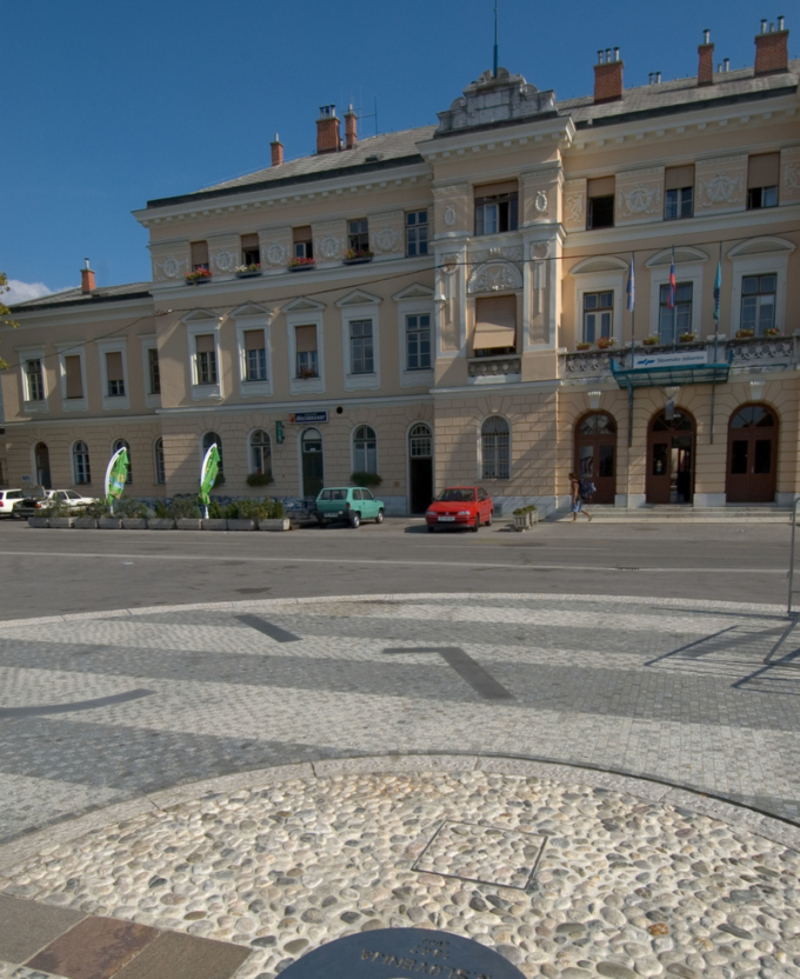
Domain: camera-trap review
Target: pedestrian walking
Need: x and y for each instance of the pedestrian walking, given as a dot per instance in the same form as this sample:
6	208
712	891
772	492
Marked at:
577	498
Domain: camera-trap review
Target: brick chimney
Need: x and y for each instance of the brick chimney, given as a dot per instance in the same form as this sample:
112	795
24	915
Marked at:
350	137
608	77
328	140
277	151
87	278
772	54
705	70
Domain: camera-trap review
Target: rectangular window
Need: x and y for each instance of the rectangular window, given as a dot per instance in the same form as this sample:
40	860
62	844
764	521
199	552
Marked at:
763	172
416	233
154	371
302	242
35	378
256	355
361	354
600	207
358	236
598	316
758	303
199	255
72	370
306	350
161	471
250	250
115	375
418	342
496	208
206	359
495	326
678	192
673	322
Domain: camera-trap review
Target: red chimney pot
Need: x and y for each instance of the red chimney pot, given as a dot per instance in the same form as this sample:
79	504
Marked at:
87	278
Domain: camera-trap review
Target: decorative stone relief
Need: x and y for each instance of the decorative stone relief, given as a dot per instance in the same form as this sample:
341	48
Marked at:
275	253
540	250
573	209
641	200
385	240
449	216
170	268
224	261
494	277
511	253
329	247
791	176
721	189
540	202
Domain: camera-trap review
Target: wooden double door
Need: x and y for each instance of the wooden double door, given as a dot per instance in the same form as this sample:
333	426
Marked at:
595	454
670	458
752	455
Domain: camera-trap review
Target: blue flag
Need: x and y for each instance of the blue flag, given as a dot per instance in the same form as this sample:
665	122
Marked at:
672	283
630	289
718	286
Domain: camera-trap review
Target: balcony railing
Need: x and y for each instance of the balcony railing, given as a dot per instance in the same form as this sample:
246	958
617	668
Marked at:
508	365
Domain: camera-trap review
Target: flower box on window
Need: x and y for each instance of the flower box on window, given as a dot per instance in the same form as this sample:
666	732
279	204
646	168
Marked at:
306	372
360	257
247	271
772	331
301	264
687	337
198	277
604	343
651	341
583	346
744	334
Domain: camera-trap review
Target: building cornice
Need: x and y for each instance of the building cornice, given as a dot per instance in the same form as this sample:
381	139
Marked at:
323	404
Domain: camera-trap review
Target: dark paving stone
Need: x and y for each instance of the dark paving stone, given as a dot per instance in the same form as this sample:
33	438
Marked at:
26	927
176	956
74	705
97	948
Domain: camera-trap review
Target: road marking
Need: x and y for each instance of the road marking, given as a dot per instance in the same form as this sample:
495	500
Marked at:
36	710
466	667
388	562
273	631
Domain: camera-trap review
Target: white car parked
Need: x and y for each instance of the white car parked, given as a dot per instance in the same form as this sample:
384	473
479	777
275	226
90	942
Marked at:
28	505
8	497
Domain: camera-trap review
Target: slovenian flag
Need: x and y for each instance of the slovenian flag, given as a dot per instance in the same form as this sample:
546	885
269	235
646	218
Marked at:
718	286
630	289
672	283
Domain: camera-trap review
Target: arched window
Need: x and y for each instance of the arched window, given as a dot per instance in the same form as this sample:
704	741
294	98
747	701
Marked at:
260	453
80	464
495	449
158	461
753	416
208	440
420	441
598	423
365	450
122	444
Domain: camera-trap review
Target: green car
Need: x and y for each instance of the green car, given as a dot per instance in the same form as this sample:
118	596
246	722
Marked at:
351	503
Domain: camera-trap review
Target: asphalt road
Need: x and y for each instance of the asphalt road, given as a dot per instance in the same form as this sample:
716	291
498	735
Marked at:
46	572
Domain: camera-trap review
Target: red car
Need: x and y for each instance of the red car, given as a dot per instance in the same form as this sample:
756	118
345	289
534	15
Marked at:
460	506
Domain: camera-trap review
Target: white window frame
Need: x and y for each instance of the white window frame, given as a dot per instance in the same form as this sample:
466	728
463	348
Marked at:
360	306
149	343
353	466
120	402
611	280
72	460
246	324
684	272
495	479
75	349
304	312
415	307
199	326
25	354
763	263
250	434
156	480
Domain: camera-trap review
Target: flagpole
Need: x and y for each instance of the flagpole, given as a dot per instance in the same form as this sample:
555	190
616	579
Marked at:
717	291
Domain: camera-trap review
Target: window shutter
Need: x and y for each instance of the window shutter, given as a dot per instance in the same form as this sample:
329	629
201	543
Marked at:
763	170
495	322
601	187
114	365
301	234
199	253
306	339
253	339
72	368
676	178
249	242
493	190
205	343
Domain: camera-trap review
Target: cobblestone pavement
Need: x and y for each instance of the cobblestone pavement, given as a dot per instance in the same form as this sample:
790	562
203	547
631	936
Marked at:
565	870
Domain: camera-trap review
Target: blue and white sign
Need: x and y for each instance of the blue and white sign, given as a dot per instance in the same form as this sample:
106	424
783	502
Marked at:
308	417
672	358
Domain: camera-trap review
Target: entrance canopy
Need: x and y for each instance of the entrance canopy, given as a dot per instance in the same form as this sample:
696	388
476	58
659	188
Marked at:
676	368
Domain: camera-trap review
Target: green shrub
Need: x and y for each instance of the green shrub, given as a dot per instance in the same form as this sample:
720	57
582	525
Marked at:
365	479
55	508
217	510
183	508
524	509
128	506
259	479
98	509
161	510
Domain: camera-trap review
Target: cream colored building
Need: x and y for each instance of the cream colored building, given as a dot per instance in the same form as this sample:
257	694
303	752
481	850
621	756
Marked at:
448	305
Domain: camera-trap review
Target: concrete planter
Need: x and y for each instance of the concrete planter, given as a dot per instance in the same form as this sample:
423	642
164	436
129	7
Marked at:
38	522
524	521
241	524
214	523
84	523
282	523
64	523
189	523
134	523
110	523
160	523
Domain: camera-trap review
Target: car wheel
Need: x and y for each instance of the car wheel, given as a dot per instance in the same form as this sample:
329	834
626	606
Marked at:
477	525
320	521
489	521
379	518
15	515
355	520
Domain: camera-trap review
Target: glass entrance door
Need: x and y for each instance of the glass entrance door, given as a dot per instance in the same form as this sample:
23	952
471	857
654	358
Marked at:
670	459
595	452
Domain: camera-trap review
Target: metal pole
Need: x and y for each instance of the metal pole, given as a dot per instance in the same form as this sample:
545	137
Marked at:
791	557
495	38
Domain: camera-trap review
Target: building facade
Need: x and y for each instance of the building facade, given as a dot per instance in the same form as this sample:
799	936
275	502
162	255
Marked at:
452	304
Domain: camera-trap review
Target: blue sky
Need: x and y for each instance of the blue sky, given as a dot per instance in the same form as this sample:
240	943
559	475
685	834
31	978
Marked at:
108	104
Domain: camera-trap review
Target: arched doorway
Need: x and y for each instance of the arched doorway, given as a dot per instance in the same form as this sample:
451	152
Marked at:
420	467
670	458
752	455
595	454
41	456
312	461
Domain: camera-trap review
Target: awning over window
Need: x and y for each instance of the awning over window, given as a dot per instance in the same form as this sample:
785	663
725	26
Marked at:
495	323
306	339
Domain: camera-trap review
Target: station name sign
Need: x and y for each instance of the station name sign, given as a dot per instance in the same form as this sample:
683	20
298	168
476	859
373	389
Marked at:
673	358
308	417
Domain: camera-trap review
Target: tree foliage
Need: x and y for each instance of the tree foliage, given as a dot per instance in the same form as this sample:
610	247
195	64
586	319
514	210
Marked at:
5	317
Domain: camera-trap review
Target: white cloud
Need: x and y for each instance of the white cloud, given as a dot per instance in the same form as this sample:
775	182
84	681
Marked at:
20	292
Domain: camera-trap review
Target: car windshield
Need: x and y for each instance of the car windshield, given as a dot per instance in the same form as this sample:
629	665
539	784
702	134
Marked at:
457	496
333	494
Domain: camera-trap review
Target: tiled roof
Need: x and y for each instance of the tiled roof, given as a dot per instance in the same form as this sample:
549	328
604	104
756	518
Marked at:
69	297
